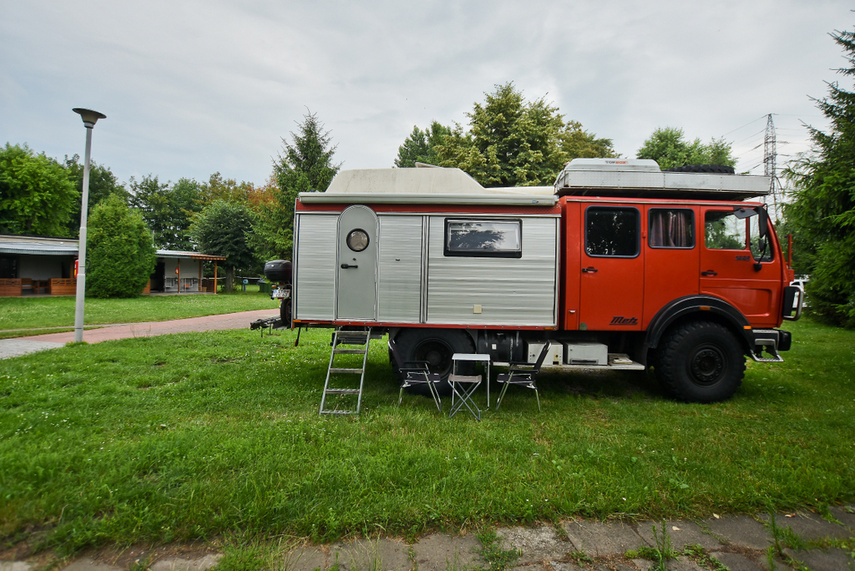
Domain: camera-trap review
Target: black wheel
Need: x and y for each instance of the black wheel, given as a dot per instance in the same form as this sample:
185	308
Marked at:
435	346
285	313
700	361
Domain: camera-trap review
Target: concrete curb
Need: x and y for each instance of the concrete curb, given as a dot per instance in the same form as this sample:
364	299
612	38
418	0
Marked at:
741	543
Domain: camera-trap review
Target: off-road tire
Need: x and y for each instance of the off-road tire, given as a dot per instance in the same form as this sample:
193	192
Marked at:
712	169
436	346
700	361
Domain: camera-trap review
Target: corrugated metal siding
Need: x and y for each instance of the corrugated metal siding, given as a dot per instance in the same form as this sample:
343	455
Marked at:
315	266
400	271
510	291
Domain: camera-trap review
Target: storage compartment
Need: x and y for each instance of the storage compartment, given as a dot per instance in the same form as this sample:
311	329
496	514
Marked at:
278	271
586	354
553	357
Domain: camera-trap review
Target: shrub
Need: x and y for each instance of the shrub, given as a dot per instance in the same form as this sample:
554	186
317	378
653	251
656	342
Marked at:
120	256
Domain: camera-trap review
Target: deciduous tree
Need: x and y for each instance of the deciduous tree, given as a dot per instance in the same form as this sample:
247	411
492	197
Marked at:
668	147
221	229
36	195
219	188
102	184
512	142
167	209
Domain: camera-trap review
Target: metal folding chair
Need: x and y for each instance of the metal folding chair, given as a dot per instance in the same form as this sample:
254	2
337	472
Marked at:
414	373
523	375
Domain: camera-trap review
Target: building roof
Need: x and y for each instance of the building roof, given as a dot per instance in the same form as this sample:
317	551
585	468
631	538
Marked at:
38	245
191	255
42	246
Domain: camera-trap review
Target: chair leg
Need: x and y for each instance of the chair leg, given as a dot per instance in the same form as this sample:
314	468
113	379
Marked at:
537	394
502	394
435	394
400	396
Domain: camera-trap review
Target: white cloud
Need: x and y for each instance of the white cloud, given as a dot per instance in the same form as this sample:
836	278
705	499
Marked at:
191	88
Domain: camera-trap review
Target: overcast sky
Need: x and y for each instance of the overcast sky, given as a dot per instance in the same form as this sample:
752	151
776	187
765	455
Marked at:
195	87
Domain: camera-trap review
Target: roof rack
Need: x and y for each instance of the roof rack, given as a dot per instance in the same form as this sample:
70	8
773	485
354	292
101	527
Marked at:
642	178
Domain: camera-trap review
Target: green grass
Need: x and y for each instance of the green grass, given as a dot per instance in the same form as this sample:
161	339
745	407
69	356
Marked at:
18	313
200	436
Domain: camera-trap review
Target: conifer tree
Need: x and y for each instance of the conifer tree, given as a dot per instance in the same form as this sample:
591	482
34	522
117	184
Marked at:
120	253
822	214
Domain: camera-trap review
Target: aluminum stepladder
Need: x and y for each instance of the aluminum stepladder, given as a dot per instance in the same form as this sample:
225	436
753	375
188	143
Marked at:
355	342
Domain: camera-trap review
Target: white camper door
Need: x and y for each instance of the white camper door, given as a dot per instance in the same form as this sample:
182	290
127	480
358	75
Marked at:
357	264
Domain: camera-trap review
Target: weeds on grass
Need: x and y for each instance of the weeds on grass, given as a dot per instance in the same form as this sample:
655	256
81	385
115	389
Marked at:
699	555
580	557
660	553
784	537
497	558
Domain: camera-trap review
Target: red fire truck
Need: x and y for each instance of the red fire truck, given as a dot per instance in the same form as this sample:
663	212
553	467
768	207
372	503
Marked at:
618	265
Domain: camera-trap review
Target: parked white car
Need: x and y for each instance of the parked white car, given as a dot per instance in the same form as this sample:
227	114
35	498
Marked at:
801	282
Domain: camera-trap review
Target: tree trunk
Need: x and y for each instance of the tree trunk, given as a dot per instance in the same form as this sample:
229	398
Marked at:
230	279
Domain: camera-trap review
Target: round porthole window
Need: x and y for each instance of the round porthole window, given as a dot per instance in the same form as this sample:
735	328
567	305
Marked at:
357	240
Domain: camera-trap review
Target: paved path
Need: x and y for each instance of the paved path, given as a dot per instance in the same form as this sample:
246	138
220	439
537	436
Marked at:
740	543
23	345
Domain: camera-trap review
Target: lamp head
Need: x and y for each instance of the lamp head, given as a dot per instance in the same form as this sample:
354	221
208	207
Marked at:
89	117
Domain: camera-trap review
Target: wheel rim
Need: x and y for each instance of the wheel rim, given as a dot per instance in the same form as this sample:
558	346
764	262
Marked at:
707	365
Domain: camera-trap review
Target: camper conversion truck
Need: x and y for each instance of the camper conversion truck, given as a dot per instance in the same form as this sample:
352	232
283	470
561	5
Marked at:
618	265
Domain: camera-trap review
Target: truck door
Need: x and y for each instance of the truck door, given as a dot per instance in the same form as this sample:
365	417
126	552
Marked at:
357	264
612	268
737	261
671	256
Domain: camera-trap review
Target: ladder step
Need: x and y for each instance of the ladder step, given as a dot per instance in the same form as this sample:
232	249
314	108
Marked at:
351	337
359	341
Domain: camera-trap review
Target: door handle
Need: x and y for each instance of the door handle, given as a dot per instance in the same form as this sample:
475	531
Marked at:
346	266
589	270
709	273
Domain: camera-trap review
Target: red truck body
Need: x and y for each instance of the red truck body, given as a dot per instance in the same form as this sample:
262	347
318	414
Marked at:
619	265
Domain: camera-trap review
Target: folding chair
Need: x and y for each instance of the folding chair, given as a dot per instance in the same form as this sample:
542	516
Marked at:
523	375
414	373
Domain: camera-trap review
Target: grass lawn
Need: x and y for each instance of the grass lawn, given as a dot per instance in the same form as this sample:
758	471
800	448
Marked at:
211	435
18	313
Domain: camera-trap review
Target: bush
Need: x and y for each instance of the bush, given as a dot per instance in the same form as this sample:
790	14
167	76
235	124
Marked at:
120	256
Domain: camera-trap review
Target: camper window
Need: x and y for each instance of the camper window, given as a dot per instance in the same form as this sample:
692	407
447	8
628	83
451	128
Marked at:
490	238
357	240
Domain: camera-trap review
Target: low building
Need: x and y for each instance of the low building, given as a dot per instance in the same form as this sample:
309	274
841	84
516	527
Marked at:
35	265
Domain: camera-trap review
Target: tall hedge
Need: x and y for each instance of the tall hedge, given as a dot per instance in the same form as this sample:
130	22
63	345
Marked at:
120	253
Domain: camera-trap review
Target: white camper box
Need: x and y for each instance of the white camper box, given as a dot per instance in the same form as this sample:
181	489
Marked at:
403	275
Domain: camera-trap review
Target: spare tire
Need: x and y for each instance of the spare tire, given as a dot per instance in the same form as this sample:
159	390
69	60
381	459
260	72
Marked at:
713	169
435	347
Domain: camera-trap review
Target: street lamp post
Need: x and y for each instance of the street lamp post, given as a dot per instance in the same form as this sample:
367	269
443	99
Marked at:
89	119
